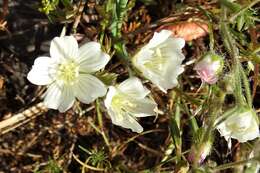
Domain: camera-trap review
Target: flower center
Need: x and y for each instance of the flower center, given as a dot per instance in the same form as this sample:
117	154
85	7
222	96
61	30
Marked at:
237	127
123	104
68	72
157	62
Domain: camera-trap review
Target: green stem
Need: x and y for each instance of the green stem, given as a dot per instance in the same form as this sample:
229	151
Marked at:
214	108
178	113
99	114
233	164
234	16
187	97
193	121
233	51
256	50
234	7
100	132
211	35
246	85
175	129
194	124
173	158
238	86
100	123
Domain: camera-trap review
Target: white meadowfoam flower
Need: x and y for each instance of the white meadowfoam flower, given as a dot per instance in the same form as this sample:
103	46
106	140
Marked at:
68	73
242	126
128	101
160	60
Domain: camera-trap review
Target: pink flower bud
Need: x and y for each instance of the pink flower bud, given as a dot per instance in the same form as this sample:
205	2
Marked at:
199	152
209	67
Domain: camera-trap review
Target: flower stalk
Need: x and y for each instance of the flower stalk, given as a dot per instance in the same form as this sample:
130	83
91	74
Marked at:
233	51
175	129
234	164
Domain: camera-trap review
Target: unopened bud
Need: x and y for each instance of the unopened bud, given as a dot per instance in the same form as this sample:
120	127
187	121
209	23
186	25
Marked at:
209	67
199	152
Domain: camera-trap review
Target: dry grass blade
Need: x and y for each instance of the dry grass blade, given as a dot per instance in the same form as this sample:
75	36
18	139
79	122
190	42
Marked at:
87	166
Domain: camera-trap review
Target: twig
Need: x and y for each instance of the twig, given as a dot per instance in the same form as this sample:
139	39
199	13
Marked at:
20	118
155	152
78	17
136	136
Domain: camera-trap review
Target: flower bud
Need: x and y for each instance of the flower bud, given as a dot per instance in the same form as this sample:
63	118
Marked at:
209	67
201	147
199	152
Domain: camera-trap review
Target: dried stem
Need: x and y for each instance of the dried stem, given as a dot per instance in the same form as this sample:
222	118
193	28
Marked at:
19	119
78	17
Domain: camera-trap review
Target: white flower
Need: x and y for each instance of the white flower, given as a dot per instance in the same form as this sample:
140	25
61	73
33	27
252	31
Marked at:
242	126
128	101
68	73
160	60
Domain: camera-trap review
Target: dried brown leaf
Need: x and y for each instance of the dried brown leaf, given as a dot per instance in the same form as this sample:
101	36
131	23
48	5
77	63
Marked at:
188	30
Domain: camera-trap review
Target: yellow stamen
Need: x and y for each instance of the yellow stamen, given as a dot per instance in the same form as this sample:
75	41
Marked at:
68	72
157	63
123	104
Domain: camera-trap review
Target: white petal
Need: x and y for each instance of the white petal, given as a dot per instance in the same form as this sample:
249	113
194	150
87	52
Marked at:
40	72
175	43
89	88
223	130
133	87
251	132
67	98
173	69
162	64
88	50
65	47
91	57
176	56
52	97
110	94
132	124
141	58
144	107
159	38
59	97
125	121
242	126
166	78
